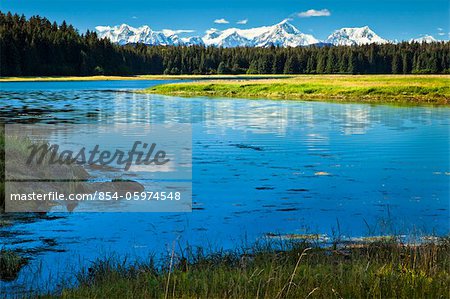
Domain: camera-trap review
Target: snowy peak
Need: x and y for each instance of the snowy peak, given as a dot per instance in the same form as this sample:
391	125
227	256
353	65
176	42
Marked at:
285	34
424	39
229	38
232	39
282	34
354	36
125	34
286	27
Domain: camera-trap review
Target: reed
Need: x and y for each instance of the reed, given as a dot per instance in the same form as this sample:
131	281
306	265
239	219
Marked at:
10	264
300	269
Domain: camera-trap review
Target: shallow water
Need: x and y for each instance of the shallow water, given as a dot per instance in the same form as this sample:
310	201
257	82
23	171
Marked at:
259	167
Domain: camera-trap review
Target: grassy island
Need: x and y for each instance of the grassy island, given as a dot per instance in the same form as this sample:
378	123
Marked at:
405	89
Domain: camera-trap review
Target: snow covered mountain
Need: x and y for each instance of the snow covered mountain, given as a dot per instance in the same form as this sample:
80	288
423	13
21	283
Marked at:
424	39
228	38
354	36
125	34
285	35
282	34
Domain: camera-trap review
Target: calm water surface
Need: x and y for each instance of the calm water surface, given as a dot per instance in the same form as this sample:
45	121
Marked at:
258	168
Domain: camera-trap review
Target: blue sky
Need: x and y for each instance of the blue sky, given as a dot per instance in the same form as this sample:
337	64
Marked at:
392	19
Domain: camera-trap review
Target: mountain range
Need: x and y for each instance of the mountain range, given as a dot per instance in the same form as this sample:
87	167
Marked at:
282	34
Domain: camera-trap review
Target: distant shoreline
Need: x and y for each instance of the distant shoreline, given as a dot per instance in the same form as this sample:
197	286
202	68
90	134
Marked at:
136	77
395	89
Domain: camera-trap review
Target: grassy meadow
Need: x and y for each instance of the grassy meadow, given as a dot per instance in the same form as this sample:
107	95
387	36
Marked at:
405	89
382	269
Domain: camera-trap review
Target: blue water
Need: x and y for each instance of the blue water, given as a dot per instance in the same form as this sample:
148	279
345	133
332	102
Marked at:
259	167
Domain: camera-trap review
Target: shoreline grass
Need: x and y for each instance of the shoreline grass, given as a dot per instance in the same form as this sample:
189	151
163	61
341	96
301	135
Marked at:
385	269
10	264
401	89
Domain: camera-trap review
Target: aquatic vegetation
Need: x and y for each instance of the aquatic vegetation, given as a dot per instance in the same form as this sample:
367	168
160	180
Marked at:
10	264
5	223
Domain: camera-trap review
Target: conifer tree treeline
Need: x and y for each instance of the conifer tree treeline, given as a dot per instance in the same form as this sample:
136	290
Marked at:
37	47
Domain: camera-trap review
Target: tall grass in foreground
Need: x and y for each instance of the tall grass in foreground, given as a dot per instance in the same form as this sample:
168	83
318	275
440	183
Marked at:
377	270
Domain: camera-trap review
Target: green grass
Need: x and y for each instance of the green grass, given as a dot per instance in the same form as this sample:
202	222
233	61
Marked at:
407	89
299	270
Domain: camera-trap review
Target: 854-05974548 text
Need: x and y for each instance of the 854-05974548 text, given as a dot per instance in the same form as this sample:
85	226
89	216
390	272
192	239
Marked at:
56	196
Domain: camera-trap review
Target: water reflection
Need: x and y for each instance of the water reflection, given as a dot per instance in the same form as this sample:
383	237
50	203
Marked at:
253	116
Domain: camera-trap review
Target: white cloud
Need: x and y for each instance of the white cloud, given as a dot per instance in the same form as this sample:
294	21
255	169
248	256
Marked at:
242	22
221	21
441	33
134	17
314	13
440	29
172	32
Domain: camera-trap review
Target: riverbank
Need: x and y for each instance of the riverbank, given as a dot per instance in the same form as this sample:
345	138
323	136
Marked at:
381	269
138	77
402	89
